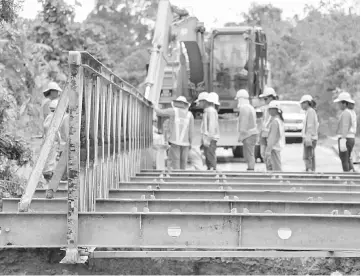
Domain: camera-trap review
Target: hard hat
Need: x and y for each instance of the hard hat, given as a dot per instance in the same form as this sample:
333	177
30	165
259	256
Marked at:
202	96
242	94
274	104
268	91
306	98
213	98
344	96
53	104
52	86
182	99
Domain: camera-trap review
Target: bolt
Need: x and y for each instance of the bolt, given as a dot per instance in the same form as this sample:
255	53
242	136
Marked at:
7	230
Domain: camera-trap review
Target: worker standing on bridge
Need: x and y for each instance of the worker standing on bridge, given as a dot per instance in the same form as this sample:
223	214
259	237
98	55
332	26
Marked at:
59	146
210	130
268	95
276	136
345	130
309	132
247	127
181	133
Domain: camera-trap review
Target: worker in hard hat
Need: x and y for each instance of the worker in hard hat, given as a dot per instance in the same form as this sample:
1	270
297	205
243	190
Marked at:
247	127
181	133
309	132
276	139
345	130
51	92
58	147
351	107
210	130
269	94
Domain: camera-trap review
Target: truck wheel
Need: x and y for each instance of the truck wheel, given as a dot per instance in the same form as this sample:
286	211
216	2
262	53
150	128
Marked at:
238	152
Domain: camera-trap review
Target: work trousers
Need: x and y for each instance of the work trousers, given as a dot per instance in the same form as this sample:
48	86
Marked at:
274	161
210	154
249	145
345	157
178	156
309	156
263	146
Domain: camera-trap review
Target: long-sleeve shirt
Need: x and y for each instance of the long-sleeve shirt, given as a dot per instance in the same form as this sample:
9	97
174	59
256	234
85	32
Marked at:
344	127
276	136
247	121
186	140
210	125
266	121
353	129
310	125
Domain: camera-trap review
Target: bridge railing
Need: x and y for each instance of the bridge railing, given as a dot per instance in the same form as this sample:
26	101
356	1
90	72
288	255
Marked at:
110	133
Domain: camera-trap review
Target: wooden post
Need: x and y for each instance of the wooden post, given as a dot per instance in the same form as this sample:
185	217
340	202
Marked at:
75	106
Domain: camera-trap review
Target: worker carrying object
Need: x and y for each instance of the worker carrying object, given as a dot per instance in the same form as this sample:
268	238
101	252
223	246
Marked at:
268	95
247	127
276	139
346	130
309	132
181	133
59	146
209	127
51	92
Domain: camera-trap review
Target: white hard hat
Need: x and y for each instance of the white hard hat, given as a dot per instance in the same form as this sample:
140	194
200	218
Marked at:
268	91
306	98
202	96
213	98
52	86
344	96
242	94
182	99
53	104
274	104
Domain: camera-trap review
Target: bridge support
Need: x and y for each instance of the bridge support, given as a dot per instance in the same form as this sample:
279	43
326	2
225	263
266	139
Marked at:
75	108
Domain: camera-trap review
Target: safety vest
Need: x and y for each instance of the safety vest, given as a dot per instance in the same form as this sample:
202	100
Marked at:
180	127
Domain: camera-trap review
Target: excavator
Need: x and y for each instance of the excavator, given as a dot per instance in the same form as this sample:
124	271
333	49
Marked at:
236	59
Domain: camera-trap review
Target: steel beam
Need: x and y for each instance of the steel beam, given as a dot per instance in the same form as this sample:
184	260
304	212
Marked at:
223	254
239	194
200	179
241	186
194	206
253	174
197	230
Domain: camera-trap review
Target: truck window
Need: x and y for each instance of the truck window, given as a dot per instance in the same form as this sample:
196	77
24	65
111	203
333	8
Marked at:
230	55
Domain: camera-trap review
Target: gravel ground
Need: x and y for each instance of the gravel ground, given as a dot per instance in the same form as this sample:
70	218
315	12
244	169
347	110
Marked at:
46	262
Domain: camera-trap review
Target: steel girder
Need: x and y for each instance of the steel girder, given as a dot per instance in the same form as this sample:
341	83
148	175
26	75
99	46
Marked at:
183	230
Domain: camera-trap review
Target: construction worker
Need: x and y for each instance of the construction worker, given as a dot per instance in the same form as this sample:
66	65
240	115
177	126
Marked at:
247	127
52	92
345	130
276	137
181	133
210	130
268	95
59	146
351	107
309	132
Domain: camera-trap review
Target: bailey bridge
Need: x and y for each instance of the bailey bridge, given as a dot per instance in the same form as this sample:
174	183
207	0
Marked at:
115	205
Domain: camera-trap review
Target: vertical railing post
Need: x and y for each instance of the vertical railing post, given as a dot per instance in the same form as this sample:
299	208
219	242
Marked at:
75	108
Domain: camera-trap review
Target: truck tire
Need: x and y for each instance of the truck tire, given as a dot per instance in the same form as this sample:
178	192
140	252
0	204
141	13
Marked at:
238	152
